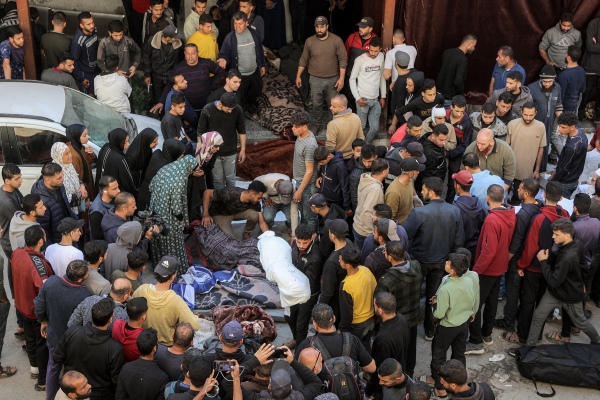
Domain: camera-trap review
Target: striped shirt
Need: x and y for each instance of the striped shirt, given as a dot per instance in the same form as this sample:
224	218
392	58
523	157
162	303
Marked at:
304	151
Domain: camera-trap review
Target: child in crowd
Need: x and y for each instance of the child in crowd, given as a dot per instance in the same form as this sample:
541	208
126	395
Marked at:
357	145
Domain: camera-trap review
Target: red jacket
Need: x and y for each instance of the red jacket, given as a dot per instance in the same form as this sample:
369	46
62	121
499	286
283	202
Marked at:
128	339
355	42
539	237
26	278
496	233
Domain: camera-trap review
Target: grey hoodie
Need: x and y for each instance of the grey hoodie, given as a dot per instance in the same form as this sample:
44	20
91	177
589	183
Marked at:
128	240
523	98
17	230
556	43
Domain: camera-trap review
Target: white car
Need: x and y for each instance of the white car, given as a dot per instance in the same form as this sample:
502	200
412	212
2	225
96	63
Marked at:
34	115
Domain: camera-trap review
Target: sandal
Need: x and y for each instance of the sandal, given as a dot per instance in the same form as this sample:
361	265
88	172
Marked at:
511	337
575	331
556	337
6	372
253	116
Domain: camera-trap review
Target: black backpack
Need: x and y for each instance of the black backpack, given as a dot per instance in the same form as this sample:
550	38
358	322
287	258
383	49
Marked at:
571	364
340	373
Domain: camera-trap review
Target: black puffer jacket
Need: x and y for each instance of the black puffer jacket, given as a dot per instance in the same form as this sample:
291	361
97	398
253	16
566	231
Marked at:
310	264
156	62
57	208
354	179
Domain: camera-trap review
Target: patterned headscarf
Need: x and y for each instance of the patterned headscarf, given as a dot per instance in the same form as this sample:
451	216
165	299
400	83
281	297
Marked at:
71	181
206	143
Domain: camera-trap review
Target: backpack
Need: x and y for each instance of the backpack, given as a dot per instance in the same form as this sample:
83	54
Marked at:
340	373
571	364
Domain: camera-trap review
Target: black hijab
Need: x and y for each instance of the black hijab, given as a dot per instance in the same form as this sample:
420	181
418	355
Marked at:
73	133
116	143
139	152
172	150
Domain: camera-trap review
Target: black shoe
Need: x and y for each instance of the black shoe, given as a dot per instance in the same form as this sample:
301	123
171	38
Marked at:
39	388
588	314
500	323
19	335
513	351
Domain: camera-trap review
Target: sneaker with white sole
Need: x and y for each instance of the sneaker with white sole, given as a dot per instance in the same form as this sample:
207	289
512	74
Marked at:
488	340
473	348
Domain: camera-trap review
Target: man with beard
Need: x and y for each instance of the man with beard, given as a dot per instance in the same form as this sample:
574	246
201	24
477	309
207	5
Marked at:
453	375
104	202
572	81
399	194
463	129
433	147
527	138
504	110
61	73
547	96
495	156
84	48
390	342
556	41
384	230
571	160
233	80
520	94
434	231
505	63
356	45
307	258
453	71
325	56
73	386
403	281
486	118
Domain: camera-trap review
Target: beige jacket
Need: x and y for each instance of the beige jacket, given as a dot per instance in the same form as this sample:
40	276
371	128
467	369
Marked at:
342	130
370	193
451	143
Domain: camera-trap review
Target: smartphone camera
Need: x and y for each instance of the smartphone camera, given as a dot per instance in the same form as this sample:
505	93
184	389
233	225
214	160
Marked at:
223	365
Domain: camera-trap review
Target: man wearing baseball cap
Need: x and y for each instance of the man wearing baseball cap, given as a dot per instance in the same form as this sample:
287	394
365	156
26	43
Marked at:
325	211
161	54
384	230
358	44
399	194
278	197
325	57
165	308
59	255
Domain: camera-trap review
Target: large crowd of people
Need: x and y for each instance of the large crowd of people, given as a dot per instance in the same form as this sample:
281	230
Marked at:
467	205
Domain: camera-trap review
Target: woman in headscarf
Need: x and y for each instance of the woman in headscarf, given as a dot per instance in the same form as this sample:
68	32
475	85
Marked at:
139	153
172	150
169	200
61	155
83	156
112	161
201	179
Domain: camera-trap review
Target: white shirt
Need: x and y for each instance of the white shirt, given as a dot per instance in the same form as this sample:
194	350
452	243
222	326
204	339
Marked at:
59	256
390	58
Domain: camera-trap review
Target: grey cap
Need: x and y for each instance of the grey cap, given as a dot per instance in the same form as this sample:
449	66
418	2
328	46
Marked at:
402	58
172	32
281	379
415	149
285	189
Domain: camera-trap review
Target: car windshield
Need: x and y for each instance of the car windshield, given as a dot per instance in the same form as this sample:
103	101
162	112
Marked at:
98	118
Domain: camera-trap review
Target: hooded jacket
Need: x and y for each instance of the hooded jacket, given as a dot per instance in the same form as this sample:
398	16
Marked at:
165	310
112	161
113	90
472	213
370	193
497	126
564	274
435	165
546	105
17	230
491	258
334	185
57	208
55	303
128	240
127	338
524	218
556	42
97	210
156	61
128	51
464	132
377	263
523	97
95	354
477	391
539	237
84	49
354	178
404	282
310	263
342	130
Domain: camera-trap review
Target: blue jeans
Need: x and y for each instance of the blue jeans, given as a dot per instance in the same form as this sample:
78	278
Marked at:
224	172
568	189
308	217
270	212
370	112
359	239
